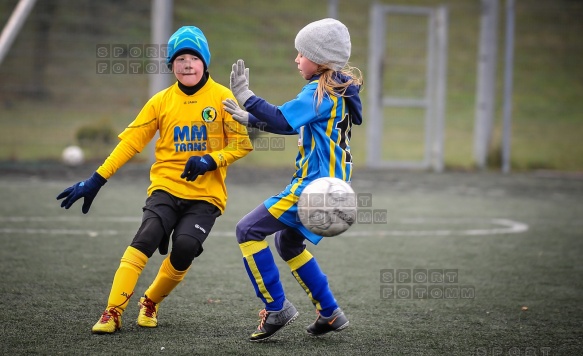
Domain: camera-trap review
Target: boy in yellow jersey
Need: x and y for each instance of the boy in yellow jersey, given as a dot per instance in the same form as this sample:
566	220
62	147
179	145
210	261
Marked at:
198	140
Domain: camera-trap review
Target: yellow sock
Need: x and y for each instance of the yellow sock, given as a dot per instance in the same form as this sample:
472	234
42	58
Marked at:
252	247
132	263
300	260
168	278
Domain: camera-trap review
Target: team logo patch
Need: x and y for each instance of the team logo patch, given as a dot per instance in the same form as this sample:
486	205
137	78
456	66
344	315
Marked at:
209	114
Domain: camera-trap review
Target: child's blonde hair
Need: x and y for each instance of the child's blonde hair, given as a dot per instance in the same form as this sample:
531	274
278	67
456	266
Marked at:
327	85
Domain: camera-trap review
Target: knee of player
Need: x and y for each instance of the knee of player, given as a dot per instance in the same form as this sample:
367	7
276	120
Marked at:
289	243
242	231
185	249
149	235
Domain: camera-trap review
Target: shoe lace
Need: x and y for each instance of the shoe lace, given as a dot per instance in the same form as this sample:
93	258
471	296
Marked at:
263	315
108	314
150	307
318	315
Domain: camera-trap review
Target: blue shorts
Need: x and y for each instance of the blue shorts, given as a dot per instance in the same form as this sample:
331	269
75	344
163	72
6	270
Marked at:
284	207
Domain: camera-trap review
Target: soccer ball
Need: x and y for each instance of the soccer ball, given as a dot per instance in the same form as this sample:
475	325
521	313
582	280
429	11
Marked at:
327	206
73	156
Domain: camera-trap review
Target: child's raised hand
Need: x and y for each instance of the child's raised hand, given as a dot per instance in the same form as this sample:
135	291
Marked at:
239	82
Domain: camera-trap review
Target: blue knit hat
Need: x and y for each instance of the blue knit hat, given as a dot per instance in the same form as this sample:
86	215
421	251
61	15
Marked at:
188	38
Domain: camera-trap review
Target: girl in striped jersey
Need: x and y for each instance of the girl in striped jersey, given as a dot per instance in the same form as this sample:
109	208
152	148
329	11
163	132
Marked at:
322	114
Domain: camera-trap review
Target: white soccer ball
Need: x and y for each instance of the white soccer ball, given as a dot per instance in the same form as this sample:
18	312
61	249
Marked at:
73	156
327	206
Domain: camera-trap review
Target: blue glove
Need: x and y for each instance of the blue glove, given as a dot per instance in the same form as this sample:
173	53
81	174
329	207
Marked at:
197	165
87	189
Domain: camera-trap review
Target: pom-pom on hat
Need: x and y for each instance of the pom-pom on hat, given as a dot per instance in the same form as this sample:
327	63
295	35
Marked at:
188	38
325	41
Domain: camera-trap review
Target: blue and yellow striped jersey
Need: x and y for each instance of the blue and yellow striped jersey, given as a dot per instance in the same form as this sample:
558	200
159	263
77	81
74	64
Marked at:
324	135
324	148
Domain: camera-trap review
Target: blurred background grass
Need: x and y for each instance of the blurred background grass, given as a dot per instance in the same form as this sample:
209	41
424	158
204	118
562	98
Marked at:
50	90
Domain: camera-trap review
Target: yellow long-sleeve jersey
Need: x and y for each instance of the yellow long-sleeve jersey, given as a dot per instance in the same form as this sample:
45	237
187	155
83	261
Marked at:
188	125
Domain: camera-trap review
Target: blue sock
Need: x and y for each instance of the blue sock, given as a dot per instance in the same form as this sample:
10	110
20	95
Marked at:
315	284
264	276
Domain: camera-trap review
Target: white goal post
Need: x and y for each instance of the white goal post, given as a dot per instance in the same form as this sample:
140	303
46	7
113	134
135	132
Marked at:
14	25
433	99
161	20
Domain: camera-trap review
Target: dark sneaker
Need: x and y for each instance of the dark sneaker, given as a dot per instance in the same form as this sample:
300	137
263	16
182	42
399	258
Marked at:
336	322
272	321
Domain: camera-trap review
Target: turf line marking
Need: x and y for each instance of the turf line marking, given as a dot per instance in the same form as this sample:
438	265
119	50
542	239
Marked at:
500	227
70	218
507	227
28	231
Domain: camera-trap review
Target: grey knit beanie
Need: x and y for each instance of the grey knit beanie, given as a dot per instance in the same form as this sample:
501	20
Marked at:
325	41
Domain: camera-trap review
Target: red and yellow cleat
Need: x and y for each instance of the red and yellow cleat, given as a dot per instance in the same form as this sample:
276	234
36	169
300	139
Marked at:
148	316
109	322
